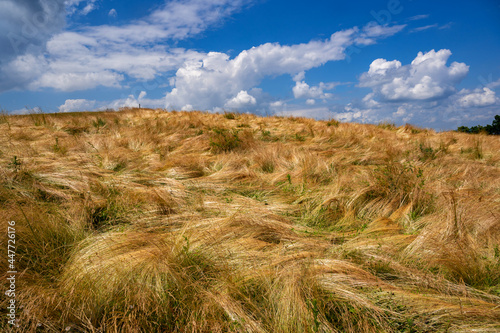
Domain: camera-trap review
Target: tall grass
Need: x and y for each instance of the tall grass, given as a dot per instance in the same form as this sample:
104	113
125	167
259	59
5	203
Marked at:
152	221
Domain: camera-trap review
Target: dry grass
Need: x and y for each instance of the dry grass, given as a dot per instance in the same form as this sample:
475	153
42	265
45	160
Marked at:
153	221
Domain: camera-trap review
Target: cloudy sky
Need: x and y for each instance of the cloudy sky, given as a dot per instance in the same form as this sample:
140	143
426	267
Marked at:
430	63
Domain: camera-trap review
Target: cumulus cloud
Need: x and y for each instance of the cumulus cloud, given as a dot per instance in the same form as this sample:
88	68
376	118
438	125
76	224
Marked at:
277	104
71	105
127	101
303	90
316	112
133	102
352	112
423	91
242	100
113	13
426	78
215	79
381	66
478	98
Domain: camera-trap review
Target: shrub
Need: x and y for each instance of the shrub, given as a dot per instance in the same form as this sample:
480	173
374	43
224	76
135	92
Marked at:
224	140
427	152
332	122
229	115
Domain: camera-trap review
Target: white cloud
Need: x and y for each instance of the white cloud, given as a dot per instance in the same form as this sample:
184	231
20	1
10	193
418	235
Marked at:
372	31
128	101
277	106
303	90
441	108
133	102
75	62
311	101
300	76
174	20
426	78
113	51
425	27
369	101
77	81
381	66
478	97
22	71
26	110
418	17
71	105
489	83
88	8
317	113
353	113
215	79
401	111
74	7
187	107
242	100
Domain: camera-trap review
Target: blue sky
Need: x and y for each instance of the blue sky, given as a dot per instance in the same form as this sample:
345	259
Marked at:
428	63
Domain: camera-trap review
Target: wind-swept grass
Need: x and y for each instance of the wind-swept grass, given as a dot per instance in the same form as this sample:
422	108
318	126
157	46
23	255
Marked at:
154	221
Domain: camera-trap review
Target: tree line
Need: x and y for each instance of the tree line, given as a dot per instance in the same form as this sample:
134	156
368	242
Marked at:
493	129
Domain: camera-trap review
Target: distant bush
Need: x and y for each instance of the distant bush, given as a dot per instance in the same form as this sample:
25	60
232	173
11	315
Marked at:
333	122
493	129
229	115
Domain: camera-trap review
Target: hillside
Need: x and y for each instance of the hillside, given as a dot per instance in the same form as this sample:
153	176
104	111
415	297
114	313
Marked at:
153	221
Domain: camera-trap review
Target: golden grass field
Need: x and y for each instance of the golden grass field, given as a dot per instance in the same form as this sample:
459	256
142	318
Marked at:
154	221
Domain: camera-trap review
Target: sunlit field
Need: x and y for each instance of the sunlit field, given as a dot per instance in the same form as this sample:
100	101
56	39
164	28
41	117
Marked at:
154	221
